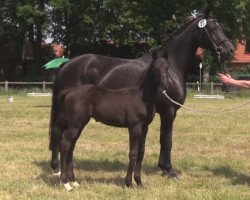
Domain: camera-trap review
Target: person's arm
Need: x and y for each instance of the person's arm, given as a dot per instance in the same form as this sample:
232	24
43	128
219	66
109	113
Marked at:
227	79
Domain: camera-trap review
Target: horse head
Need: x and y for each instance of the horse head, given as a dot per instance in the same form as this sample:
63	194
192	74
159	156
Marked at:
161	69
211	36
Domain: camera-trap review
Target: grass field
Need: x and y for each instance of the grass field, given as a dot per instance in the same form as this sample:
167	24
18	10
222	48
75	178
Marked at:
211	154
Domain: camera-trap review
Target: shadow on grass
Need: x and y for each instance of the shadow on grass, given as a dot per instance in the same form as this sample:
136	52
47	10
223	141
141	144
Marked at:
118	180
42	106
235	176
89	165
46	175
100	165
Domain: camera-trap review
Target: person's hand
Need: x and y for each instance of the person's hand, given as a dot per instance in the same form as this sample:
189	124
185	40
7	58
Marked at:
228	76
224	78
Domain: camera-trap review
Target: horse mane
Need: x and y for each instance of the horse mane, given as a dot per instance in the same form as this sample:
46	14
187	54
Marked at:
181	29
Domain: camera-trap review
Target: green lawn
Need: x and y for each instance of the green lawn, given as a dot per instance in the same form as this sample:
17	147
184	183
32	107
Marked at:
211	154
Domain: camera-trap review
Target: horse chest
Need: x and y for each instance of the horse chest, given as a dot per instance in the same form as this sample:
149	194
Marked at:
177	88
178	94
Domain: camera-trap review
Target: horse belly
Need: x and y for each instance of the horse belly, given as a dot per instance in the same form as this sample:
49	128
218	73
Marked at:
109	113
120	111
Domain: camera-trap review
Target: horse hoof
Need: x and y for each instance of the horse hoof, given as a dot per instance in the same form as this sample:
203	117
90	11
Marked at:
68	187
138	182
140	185
170	174
57	174
128	184
75	184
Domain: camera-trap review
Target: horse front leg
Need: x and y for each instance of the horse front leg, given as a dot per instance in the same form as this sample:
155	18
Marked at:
141	150
167	117
134	140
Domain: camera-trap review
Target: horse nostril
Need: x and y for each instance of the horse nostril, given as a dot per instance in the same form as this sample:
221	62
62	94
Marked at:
231	51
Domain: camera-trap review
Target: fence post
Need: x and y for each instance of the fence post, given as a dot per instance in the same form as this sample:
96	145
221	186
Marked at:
212	88
44	85
6	85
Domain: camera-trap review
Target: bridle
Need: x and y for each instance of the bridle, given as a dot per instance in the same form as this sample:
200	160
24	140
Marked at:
216	45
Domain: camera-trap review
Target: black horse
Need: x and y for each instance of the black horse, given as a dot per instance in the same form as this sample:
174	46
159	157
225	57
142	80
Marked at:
114	73
133	108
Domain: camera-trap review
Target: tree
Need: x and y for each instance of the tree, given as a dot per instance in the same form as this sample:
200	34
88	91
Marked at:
82	22
32	20
234	17
10	33
126	22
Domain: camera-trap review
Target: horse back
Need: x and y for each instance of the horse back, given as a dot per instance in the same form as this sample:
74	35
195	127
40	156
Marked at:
108	72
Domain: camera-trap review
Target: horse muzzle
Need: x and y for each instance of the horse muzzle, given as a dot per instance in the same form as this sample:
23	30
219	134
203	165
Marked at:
225	51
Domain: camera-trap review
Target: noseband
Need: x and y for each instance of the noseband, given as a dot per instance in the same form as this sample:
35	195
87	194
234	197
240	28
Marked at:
216	45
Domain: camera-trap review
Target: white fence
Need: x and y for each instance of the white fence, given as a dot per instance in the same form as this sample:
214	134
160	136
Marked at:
210	88
42	84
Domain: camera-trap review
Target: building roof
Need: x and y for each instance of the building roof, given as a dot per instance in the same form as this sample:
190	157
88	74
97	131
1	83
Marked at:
240	55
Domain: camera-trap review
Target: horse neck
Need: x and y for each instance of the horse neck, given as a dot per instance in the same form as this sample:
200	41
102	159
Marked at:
181	49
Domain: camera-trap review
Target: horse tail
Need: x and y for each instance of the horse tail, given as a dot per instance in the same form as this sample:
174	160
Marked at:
53	115
57	98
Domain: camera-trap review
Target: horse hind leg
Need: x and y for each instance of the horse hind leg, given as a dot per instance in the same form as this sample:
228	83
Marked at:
67	146
134	140
54	147
55	163
70	166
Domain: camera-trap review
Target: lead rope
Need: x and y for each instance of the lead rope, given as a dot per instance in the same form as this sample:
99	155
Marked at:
201	111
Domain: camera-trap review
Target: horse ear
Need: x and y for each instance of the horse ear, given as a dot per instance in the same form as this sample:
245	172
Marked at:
208	10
